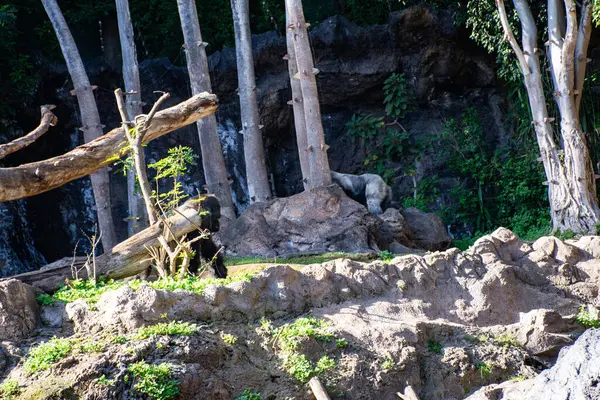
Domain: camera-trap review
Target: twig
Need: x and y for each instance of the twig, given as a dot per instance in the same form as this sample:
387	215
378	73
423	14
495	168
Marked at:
48	119
510	37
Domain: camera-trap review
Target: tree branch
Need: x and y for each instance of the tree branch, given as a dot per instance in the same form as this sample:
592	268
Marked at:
581	49
38	177
48	120
510	37
568	48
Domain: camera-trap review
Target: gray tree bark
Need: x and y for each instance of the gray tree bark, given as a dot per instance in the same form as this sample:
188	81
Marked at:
37	177
297	105
92	127
213	162
137	212
571	183
254	155
320	174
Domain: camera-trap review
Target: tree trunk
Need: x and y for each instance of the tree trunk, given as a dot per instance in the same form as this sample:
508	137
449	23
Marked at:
38	177
254	155
126	259
571	184
320	174
297	105
92	128
137	213
213	162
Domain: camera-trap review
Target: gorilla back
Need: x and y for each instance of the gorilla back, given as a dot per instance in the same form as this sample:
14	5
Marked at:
368	189
205	248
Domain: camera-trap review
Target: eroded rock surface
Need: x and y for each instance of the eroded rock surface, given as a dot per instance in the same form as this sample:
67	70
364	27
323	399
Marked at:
19	312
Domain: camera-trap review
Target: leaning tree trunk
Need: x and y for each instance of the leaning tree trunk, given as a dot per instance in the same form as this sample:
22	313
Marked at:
137	212
320	174
254	155
297	105
213	162
92	128
571	182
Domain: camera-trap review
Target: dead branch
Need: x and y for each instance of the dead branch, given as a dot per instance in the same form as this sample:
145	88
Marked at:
510	37
48	120
38	177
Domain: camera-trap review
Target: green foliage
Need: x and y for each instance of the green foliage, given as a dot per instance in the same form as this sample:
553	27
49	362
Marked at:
229	338
485	369
506	340
565	235
398	96
44	355
9	390
302	259
434	346
190	283
386	255
84	289
45	299
588	317
341	343
249	394
156	381
91	346
104	381
173	328
426	193
388	363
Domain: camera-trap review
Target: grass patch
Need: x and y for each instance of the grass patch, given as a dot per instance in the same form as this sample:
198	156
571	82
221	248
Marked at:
588	317
44	355
485	369
249	394
289	337
9	389
388	363
229	338
506	340
155	381
300	259
104	381
386	256
173	328
434	346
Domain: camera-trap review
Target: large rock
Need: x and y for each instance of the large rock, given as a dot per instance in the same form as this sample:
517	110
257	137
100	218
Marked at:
574	376
320	220
19	311
394	234
429	230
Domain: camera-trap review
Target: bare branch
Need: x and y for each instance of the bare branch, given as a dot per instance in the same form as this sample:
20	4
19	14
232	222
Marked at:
581	49
38	177
508	35
568	48
48	120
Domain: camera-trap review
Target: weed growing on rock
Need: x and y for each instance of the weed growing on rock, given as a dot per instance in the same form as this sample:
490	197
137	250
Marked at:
434	346
485	369
386	256
156	381
45	299
388	363
173	328
341	343
119	339
82	289
517	378
506	340
42	356
249	394
229	338
588	317
9	389
91	347
190	283
104	381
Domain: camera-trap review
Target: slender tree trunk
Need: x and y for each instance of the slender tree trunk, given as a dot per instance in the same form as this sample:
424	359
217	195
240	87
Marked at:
571	185
254	155
131	75
320	174
213	162
297	105
92	128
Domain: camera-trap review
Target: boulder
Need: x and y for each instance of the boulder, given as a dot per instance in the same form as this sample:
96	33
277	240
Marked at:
395	232
545	332
574	376
19	311
315	221
429	230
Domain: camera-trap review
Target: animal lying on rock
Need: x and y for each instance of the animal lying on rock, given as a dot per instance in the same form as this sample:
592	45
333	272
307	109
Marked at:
368	189
205	248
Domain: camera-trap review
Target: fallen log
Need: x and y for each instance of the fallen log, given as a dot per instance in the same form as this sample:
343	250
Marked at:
126	259
48	119
38	177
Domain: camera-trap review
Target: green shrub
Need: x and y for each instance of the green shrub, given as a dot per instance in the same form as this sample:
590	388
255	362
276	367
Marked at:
173	328
398	96
434	346
156	381
44	355
588	317
9	389
249	394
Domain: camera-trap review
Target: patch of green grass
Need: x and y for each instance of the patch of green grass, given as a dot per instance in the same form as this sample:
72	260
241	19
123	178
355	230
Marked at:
90	346
45	299
388	363
104	381
82	289
156	381
289	337
249	394
588	317
506	340
434	346
42	356
565	235
190	283
517	378
485	369
173	328
229	338
119	339
301	259
341	343
386	256
9	389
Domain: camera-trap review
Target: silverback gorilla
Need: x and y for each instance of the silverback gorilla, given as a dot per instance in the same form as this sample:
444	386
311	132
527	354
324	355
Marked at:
205	248
367	189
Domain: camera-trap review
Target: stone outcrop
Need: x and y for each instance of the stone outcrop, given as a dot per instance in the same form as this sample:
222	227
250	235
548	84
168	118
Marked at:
19	312
316	221
428	230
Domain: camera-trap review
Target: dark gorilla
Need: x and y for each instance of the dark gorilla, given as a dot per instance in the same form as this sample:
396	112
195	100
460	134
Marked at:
205	248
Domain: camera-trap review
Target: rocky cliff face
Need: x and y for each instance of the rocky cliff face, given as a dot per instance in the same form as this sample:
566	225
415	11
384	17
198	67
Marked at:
447	71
